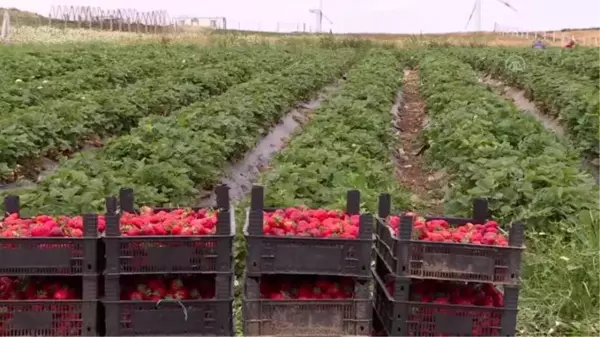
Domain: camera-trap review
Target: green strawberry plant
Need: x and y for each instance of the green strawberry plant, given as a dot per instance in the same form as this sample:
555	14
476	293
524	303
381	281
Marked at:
68	123
571	98
169	159
493	150
346	146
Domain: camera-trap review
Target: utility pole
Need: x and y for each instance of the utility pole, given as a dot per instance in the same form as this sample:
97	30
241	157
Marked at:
5	30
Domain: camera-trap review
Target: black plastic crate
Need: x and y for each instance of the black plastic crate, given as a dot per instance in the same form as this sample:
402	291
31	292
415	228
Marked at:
206	317
405	257
49	255
199	318
327	317
401	317
307	255
48	318
168	254
378	329
52	318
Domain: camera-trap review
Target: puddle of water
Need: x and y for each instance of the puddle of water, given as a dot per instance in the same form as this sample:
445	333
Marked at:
241	175
526	106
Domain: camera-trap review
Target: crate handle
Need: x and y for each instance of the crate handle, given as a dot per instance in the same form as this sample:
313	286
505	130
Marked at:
257	198
126	200
12	204
185	313
384	205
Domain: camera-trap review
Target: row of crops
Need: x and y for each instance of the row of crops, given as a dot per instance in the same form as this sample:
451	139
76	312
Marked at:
526	172
167	121
551	81
188	132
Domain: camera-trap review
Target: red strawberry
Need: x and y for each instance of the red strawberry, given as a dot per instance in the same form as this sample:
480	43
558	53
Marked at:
277	296
61	294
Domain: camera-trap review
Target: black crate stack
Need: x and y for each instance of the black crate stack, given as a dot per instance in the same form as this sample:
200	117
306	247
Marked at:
300	256
68	258
209	255
405	261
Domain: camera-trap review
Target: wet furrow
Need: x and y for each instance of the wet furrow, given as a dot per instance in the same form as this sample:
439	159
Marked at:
241	175
519	99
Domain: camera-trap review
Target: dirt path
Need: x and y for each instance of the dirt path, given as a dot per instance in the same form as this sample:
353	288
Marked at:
409	120
520	100
241	175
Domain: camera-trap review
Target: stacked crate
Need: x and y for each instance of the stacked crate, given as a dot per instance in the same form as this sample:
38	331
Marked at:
405	261
296	256
176	256
72	260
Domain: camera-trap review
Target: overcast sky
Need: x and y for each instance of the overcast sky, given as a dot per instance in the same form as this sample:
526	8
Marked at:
392	16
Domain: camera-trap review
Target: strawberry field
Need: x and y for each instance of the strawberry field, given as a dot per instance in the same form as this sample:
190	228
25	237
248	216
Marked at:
330	188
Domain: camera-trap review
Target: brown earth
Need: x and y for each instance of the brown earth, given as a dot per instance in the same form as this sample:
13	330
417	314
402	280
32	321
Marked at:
587	37
411	170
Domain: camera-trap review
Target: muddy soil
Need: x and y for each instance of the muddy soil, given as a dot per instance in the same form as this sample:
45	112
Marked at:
521	101
241	175
409	119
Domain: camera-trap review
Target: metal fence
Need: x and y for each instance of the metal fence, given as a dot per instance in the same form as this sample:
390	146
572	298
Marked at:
584	37
96	18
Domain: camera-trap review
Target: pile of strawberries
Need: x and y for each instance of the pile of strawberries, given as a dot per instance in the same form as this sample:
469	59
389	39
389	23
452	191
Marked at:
480	305
176	222
180	287
44	226
23	288
66	317
440	231
306	288
305	222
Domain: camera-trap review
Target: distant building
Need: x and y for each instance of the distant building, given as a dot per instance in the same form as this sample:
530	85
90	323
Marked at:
207	22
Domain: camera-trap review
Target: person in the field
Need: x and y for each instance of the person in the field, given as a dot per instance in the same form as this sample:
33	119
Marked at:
538	45
571	44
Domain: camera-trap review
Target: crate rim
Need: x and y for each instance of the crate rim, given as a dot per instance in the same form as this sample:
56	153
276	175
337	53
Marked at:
311	301
136	211
305	273
168	237
210	300
430	217
155	273
273	209
50	238
50	301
